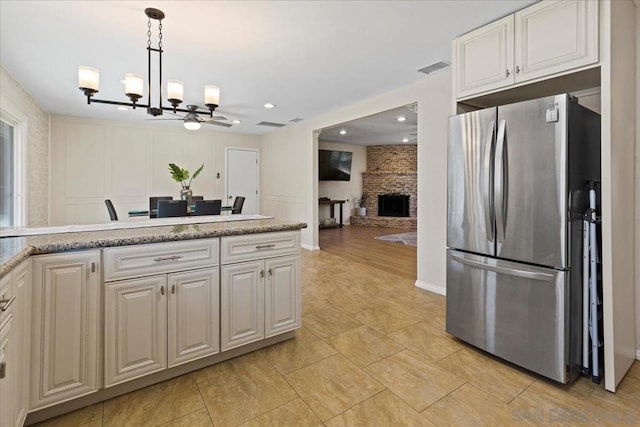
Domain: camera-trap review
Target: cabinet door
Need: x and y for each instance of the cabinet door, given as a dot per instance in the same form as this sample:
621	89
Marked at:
135	328
555	36
7	372
282	295
241	304
22	290
64	346
484	58
193	315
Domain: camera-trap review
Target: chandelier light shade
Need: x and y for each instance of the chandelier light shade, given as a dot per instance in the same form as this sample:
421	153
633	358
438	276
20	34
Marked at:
89	78
89	84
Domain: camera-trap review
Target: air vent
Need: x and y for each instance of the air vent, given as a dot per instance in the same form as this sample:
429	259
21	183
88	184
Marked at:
271	124
434	67
296	120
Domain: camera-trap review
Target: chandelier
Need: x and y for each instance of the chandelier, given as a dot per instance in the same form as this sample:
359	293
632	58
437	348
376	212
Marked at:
89	79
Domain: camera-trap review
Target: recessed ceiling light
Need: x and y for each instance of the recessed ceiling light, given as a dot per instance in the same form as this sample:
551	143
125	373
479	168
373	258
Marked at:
269	105
343	132
401	118
122	108
405	139
237	122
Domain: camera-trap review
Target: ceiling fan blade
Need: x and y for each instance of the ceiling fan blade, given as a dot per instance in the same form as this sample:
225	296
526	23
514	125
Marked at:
213	122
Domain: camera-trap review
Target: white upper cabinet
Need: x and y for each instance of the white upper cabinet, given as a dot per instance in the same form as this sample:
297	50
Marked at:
544	40
484	58
554	36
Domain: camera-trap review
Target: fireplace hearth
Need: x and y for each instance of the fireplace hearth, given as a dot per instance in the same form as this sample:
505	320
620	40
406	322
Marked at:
393	205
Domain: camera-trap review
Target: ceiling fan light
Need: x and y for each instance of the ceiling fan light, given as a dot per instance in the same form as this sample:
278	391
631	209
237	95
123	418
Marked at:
211	95
88	78
175	90
133	85
192	124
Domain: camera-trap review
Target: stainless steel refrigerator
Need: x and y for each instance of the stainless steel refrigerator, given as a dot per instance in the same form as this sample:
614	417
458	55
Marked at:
517	189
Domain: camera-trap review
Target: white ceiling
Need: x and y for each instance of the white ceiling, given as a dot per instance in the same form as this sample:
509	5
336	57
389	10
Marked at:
307	57
378	129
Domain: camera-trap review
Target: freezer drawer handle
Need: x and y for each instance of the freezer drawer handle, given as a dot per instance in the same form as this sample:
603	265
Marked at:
503	270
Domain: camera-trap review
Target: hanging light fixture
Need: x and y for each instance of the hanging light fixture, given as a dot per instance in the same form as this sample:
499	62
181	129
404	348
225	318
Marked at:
89	82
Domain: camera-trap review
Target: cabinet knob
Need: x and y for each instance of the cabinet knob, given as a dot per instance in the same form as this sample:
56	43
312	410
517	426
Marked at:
517	69
270	272
261	273
173	289
161	290
507	73
3	370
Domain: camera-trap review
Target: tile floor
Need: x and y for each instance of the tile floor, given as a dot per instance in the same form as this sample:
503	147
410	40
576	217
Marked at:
372	352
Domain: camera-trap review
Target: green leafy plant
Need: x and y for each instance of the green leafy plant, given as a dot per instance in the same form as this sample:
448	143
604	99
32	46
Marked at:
181	175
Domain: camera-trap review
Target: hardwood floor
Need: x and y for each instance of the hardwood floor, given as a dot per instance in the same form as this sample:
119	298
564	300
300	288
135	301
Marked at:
359	244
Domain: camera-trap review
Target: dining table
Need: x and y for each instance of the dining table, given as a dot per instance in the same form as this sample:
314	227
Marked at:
154	212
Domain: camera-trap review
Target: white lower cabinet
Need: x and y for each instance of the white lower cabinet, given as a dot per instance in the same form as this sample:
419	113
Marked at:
259	298
65	327
15	312
157	322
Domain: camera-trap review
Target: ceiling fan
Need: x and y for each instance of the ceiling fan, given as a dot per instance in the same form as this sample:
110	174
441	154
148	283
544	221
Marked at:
192	120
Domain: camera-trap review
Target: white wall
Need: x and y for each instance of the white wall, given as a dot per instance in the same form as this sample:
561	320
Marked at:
637	262
15	101
344	190
289	169
93	160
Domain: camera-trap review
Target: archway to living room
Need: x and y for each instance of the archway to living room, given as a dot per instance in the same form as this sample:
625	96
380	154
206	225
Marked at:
367	168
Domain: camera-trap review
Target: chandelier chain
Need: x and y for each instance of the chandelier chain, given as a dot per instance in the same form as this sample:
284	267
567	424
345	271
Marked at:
149	32
160	35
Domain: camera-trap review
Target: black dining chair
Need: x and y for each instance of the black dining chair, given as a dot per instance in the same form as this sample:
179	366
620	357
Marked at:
153	205
237	205
208	207
112	211
170	208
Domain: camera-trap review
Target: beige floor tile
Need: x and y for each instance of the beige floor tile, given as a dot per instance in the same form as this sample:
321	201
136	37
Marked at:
329	322
195	419
90	416
332	385
154	405
351	302
468	405
294	354
234	397
295	414
414	379
496	377
382	410
314	304
385	319
254	360
364	345
427	340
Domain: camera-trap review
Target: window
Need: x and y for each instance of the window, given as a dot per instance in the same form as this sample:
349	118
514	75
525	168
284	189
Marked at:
13	125
7	175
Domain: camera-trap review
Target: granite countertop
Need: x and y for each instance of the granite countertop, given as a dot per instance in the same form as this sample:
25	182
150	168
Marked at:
14	250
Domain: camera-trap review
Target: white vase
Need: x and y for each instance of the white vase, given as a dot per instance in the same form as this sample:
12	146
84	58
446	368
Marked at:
185	194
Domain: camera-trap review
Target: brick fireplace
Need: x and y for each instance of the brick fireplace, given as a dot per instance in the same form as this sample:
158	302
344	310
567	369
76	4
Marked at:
391	171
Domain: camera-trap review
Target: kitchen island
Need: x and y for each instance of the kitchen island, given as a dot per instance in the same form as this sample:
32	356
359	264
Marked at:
95	314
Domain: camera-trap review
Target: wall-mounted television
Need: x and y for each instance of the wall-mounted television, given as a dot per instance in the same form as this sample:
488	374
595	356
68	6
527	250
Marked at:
334	165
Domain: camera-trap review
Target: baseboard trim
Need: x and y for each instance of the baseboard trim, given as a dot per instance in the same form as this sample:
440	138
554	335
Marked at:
309	247
637	353
431	287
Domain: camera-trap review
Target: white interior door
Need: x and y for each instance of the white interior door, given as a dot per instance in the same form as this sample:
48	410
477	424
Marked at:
242	177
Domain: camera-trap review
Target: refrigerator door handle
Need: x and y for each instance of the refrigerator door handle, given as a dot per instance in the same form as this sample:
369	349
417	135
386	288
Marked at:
487	185
500	183
504	270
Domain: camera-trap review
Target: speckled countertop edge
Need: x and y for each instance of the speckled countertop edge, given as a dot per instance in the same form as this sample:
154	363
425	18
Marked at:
14	250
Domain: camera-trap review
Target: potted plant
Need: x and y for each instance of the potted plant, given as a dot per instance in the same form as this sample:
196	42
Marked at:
181	176
361	210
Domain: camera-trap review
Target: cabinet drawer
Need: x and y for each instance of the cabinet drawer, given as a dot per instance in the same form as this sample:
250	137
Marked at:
156	258
259	246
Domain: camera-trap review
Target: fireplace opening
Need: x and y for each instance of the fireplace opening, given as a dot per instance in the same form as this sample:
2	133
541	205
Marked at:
393	205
